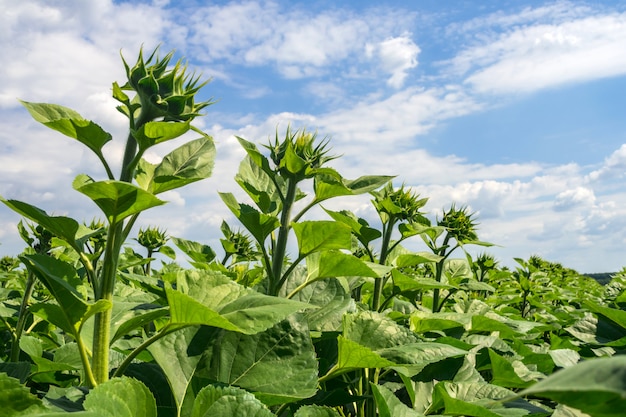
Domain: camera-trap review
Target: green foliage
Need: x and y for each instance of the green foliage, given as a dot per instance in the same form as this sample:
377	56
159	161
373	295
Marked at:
302	317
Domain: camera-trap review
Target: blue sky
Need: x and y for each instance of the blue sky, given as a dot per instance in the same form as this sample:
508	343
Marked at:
514	108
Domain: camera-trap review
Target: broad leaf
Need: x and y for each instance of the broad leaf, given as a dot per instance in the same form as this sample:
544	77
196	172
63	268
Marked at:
360	227
327	186
179	354
376	331
255	156
61	280
204	293
332	296
259	186
389	405
189	163
355	356
333	263
62	227
259	225
228	401
596	387
117	200
16	399
152	133
315	411
198	252
314	236
505	375
279	365
121	397
184	310
70	123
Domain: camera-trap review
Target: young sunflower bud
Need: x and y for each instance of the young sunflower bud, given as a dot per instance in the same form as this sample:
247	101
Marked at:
152	239
162	92
299	154
459	224
400	204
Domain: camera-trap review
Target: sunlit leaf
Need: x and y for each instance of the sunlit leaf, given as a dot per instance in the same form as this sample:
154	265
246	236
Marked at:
116	199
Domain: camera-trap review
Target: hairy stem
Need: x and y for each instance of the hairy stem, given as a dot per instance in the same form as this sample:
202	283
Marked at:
378	282
278	256
23	314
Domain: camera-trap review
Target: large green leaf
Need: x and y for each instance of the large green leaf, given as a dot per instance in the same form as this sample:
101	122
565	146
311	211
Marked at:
16	399
327	186
279	365
152	133
209	294
598	331
355	356
615	315
61	280
260	225
179	354
596	387
412	358
184	310
505	375
198	252
332	296
70	123
334	263
360	227
412	259
215	401
62	227
34	348
376	331
479	399
188	163
255	156
259	186
116	199
121	397
314	236
389	405
316	411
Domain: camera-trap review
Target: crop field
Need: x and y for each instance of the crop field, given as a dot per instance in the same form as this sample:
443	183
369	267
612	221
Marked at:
349	323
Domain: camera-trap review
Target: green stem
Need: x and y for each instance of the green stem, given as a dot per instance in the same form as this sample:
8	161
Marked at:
23	314
84	358
378	282
102	330
439	272
278	256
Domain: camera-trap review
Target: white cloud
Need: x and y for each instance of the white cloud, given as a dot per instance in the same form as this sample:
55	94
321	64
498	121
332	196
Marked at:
569	199
396	56
300	43
383	123
614	166
529	57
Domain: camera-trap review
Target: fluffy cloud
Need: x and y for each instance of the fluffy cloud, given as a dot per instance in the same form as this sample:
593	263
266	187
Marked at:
303	44
396	56
528	57
569	199
614	166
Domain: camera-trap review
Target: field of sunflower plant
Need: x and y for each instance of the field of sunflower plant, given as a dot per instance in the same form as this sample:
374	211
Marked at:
351	323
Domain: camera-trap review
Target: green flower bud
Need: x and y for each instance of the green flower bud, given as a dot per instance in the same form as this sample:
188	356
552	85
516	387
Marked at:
459	224
152	238
298	155
161	92
400	204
